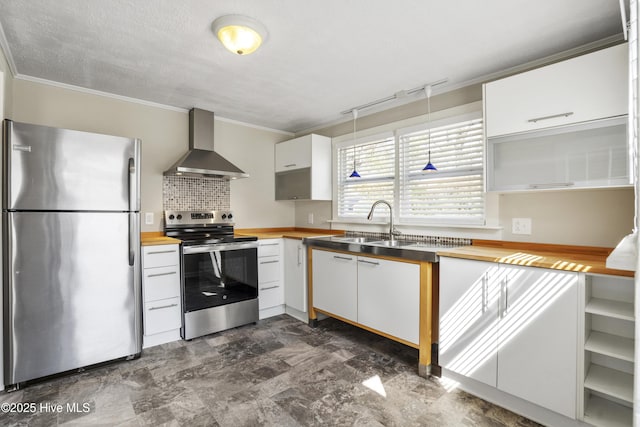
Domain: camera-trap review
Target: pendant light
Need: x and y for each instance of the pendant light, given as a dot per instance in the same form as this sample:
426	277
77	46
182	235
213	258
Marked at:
355	173
429	167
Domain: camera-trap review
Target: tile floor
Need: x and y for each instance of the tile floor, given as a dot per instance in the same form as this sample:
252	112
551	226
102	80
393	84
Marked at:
279	372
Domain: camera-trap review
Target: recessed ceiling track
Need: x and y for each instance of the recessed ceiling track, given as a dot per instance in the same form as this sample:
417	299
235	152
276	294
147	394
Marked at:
397	95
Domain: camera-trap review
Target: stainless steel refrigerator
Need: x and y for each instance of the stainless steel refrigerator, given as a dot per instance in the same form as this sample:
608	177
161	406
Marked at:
71	257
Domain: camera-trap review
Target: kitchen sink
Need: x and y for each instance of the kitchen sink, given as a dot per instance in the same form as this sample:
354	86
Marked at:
390	243
353	239
406	249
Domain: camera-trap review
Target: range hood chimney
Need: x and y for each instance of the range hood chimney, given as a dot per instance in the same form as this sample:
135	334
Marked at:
201	160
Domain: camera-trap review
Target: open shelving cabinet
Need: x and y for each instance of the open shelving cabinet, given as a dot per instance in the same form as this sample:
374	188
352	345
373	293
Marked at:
609	327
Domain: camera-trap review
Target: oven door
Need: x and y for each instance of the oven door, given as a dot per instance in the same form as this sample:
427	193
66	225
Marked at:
219	274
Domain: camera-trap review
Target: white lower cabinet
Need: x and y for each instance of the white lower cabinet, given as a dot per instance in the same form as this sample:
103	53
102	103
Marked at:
389	297
513	328
270	283
335	283
295	279
468	319
162	316
381	294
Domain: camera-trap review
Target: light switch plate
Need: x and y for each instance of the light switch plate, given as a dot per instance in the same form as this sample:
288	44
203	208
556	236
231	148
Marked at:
148	218
521	226
310	218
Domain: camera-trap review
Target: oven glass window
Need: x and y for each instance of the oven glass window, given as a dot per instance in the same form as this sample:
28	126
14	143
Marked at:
220	277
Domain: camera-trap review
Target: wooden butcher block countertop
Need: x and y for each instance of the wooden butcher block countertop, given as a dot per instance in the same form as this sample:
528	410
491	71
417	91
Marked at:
286	232
151	238
158	238
585	259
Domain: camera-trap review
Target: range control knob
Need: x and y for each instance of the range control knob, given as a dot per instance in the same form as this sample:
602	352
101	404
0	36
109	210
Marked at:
224	216
179	216
171	216
229	216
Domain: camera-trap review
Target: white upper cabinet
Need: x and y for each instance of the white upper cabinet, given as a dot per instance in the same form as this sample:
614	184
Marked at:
294	154
303	168
560	126
581	89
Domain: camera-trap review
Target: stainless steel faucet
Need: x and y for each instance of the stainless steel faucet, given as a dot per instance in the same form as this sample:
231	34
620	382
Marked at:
392	231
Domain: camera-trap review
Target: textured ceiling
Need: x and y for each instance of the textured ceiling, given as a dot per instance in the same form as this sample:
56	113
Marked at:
321	56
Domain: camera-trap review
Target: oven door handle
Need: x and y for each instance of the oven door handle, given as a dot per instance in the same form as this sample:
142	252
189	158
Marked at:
197	249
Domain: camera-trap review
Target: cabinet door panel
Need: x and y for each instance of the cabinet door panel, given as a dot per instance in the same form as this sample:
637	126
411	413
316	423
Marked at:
293	154
389	297
295	275
537	347
588	87
335	288
469	293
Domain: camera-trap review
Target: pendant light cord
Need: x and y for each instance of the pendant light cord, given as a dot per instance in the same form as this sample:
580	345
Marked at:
427	89
355	173
355	116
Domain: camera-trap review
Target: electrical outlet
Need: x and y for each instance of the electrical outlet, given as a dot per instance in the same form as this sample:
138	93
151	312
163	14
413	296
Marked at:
148	218
521	226
310	218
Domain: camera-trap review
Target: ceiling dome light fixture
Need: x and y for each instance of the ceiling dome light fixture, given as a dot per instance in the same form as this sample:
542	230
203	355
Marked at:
239	34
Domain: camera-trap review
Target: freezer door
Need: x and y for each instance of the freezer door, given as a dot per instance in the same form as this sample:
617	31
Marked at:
71	297
59	169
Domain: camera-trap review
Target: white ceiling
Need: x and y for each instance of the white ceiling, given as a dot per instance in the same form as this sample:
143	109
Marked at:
321	56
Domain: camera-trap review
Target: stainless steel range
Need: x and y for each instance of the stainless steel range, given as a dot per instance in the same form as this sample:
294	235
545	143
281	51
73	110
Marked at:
219	272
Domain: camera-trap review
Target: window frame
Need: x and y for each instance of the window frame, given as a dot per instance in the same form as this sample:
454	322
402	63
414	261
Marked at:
346	145
462	172
439	118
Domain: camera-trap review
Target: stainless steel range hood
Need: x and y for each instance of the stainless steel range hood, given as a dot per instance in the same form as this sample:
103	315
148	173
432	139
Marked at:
201	160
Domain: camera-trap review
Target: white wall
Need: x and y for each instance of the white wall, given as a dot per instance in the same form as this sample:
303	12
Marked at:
164	134
321	211
574	217
253	199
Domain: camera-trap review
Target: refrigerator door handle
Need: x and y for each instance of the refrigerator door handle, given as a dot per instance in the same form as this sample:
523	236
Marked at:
132	184
132	234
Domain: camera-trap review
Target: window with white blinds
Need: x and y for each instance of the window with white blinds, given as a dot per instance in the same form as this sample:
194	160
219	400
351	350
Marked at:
454	194
390	168
375	162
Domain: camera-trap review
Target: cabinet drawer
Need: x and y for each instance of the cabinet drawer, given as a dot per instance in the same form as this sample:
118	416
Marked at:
161	283
162	315
270	295
268	248
268	269
160	256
